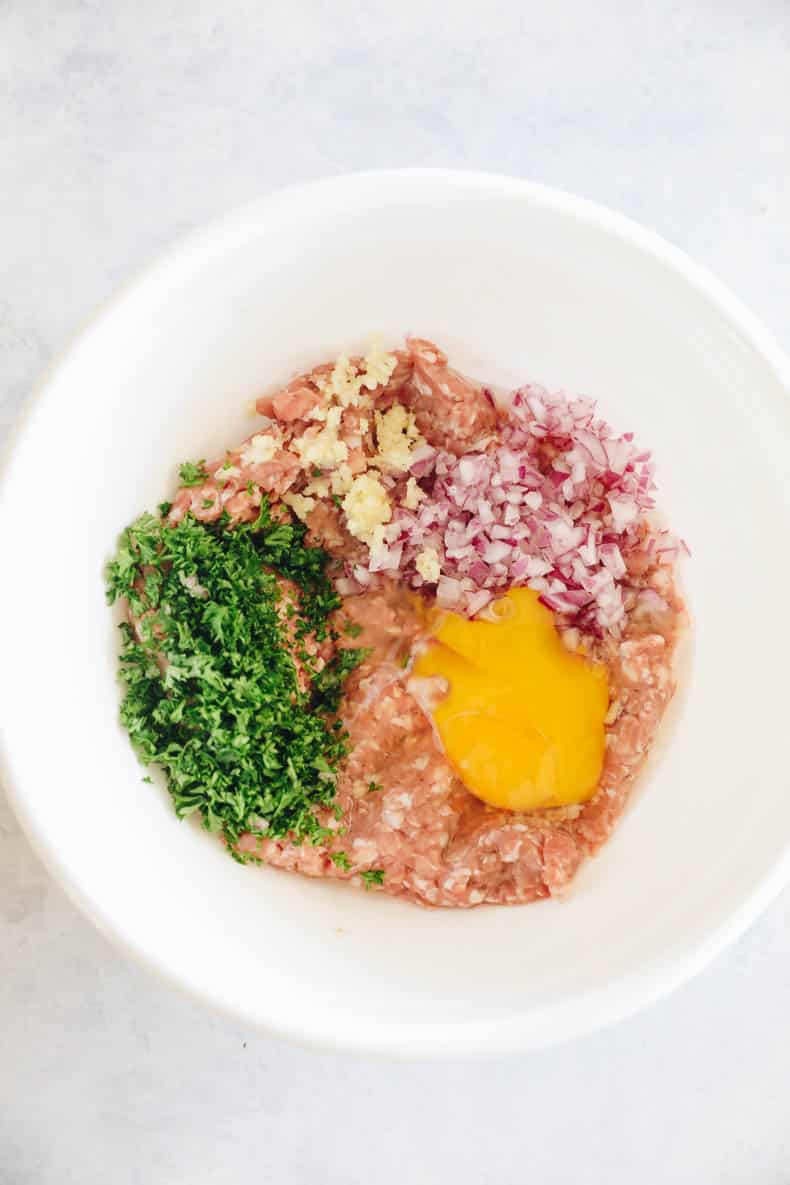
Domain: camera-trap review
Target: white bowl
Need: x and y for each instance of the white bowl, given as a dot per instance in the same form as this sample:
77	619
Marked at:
518	282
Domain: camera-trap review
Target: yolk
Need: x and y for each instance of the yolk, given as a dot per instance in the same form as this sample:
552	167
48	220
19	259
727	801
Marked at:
523	720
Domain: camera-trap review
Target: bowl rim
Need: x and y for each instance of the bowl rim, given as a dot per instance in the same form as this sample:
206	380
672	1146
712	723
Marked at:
570	1017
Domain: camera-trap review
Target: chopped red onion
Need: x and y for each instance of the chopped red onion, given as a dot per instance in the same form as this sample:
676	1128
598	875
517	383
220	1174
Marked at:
556	502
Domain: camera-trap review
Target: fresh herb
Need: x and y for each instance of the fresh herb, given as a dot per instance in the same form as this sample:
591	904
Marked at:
328	683
340	860
208	503
316	472
193	474
250	488
352	628
220	691
164	509
373	787
338	501
374	876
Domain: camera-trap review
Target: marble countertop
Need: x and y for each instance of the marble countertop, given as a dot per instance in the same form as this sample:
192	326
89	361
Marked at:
124	124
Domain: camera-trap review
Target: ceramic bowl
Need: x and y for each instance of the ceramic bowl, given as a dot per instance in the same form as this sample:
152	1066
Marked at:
518	283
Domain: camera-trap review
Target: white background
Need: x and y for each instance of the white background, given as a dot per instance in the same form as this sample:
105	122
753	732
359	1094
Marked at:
123	124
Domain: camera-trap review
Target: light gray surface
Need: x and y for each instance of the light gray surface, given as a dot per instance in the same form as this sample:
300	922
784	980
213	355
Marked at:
125	123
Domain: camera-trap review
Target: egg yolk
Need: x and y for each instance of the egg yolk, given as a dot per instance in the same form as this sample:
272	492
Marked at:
523	719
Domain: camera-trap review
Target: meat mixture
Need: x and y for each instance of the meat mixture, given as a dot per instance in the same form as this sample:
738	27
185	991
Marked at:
429	490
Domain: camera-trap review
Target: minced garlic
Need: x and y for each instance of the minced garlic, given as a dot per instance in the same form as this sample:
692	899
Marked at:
323	450
366	507
427	564
414	495
299	504
378	367
319	486
260	449
397	436
345	384
342	479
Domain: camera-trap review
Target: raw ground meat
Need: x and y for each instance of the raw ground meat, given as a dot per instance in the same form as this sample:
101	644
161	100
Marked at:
437	843
404	810
452	412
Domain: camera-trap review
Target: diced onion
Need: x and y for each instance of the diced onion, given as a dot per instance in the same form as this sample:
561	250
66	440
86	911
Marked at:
556	502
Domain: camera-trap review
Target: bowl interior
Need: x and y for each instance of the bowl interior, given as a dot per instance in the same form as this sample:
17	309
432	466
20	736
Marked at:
516	283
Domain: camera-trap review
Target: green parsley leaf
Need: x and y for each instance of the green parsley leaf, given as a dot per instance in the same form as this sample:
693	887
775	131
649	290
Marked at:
373	787
328	683
211	690
193	474
374	876
340	860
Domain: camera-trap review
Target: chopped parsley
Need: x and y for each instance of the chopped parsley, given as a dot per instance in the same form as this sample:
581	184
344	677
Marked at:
374	876
352	628
192	474
373	787
340	860
211	666
328	684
